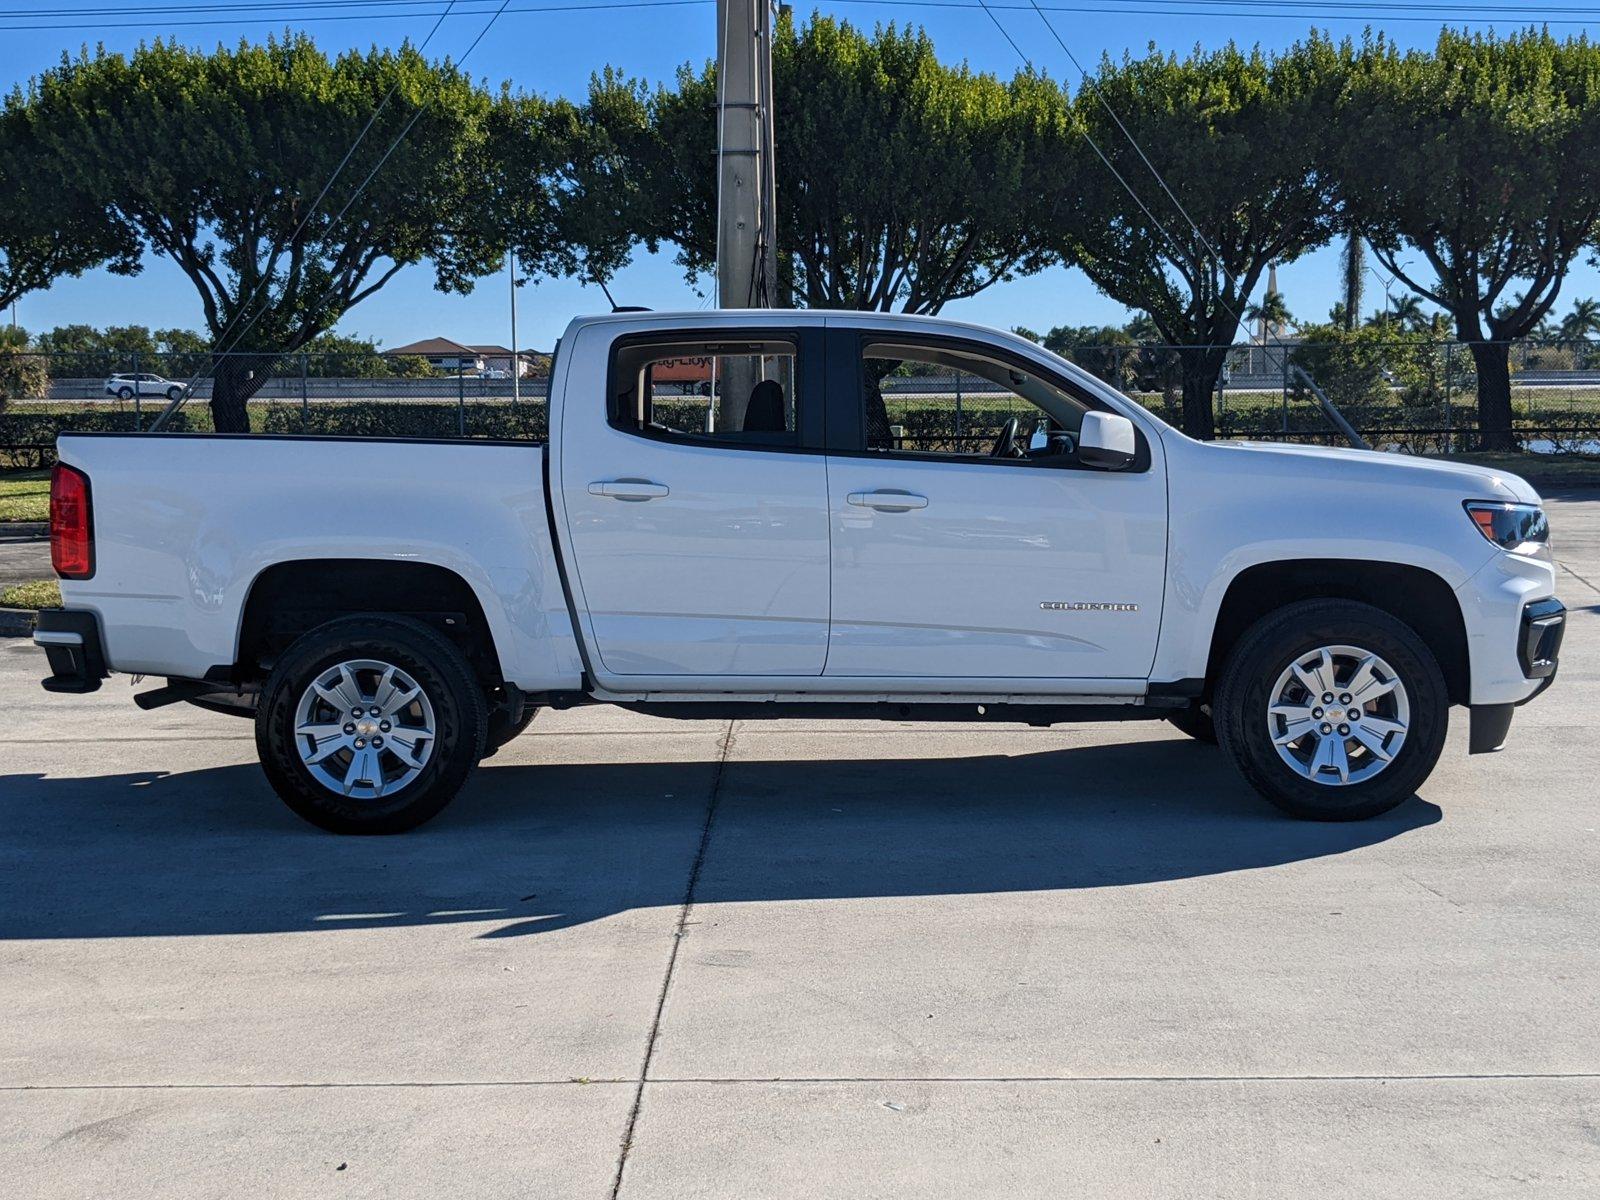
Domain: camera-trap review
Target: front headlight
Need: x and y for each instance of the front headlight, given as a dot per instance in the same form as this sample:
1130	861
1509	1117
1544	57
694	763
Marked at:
1519	528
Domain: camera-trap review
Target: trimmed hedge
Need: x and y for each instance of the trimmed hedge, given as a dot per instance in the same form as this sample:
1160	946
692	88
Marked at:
28	436
522	422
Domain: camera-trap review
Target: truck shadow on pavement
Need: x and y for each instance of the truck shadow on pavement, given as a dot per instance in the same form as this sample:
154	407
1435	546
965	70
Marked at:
530	849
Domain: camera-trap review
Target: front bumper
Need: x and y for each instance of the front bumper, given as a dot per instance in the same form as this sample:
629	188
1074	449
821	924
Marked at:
1538	652
71	642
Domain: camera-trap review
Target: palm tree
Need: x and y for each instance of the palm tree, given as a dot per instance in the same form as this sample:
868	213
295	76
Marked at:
1578	326
1406	314
1353	269
1272	313
1582	322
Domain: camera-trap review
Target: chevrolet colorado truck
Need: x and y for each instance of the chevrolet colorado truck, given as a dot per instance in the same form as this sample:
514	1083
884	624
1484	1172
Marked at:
863	515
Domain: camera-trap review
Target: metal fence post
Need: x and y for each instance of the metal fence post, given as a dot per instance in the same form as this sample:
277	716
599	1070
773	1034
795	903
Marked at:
461	399
1285	365
1449	371
958	407
1222	399
138	408
305	393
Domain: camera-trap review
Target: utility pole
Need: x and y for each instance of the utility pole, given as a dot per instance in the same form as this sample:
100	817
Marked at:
746	204
516	355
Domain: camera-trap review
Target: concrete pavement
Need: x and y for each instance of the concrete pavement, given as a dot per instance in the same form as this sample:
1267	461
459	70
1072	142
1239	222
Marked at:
21	561
661	959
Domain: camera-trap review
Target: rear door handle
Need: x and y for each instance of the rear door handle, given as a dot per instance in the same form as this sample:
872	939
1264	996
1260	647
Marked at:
629	489
887	501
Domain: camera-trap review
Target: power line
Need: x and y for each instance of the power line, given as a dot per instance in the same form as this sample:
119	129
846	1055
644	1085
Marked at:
282	14
1094	86
395	145
1364	11
1128	187
283	9
315	11
1088	137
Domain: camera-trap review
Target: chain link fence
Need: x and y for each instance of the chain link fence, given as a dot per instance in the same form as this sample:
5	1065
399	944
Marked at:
1408	394
1412	395
42	396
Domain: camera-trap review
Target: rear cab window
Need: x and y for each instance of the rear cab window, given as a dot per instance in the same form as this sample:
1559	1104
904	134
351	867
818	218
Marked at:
732	390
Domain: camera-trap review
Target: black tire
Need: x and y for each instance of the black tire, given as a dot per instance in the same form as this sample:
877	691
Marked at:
1269	647
1196	722
502	728
174	392
124	393
447	682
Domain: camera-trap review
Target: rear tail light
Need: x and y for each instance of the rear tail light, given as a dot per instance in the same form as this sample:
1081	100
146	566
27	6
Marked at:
71	523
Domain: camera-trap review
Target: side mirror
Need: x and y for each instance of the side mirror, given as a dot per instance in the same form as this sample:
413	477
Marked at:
1106	440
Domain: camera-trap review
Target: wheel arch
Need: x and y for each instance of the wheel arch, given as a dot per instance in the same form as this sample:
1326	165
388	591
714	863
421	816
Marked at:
291	597
1419	597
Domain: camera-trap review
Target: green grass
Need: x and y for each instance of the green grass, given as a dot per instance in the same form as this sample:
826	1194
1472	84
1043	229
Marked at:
25	496
36	593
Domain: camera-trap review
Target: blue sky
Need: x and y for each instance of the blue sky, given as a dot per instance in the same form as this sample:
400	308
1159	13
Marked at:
554	52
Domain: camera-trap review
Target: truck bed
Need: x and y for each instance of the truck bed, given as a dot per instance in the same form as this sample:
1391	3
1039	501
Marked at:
185	523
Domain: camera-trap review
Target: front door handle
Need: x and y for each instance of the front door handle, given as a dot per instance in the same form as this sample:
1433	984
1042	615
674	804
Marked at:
629	489
887	501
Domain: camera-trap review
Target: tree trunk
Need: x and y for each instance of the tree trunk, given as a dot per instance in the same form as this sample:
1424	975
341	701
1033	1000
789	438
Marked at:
235	378
875	371
1493	362
1201	367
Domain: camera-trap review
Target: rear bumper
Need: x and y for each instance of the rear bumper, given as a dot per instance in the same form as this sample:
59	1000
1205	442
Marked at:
1538	653
71	642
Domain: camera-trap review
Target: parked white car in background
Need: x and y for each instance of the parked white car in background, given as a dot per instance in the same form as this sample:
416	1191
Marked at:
792	546
126	387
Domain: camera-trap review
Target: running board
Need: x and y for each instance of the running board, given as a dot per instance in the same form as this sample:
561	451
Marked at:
1031	713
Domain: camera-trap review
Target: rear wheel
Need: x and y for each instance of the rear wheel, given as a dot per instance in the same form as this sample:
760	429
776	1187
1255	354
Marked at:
370	724
1332	709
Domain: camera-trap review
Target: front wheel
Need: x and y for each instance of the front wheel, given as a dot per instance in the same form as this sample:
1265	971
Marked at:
370	724
174	392
1333	710
125	393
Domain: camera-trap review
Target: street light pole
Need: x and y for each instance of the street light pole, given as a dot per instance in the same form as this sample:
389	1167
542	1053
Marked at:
516	355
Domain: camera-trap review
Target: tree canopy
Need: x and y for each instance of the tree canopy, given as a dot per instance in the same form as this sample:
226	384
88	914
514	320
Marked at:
46	232
1481	160
1233	134
217	161
903	182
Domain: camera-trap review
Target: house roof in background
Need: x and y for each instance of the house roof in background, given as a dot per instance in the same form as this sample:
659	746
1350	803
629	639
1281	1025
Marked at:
438	346
435	345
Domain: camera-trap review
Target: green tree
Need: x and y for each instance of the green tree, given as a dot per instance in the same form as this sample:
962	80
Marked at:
216	161
1582	322
46	232
24	374
1352	279
1232	135
1482	159
1372	366
348	356
903	183
1272	311
552	185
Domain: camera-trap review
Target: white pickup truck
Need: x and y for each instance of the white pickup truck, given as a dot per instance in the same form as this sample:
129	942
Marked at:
992	535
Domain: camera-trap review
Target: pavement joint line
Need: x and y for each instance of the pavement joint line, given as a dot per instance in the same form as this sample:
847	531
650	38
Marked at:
672	958
758	1080
1592	587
